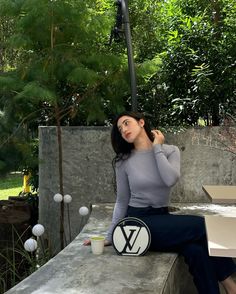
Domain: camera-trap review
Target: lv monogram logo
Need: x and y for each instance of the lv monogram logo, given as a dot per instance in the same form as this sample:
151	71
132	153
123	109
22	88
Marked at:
131	236
128	238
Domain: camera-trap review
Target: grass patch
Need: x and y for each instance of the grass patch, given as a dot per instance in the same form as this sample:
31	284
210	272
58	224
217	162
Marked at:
11	185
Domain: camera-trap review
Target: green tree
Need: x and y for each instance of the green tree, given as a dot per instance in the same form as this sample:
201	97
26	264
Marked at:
184	53
197	75
62	70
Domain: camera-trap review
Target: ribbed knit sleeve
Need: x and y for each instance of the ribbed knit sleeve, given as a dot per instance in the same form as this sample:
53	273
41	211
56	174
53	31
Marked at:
168	163
123	196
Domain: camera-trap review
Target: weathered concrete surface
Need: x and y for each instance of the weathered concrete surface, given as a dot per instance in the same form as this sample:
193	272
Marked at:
88	174
75	270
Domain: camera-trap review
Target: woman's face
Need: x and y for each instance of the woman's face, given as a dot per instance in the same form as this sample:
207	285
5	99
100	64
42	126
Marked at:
130	128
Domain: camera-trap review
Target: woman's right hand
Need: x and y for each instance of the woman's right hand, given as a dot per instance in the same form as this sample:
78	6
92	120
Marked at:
87	242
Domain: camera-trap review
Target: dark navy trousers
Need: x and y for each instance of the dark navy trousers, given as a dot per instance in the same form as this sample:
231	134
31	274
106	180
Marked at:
186	235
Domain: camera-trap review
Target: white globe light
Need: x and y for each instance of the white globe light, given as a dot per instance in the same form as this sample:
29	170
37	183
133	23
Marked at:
30	245
67	198
38	230
58	197
83	210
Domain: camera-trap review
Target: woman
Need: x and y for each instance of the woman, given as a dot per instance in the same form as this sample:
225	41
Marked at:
146	169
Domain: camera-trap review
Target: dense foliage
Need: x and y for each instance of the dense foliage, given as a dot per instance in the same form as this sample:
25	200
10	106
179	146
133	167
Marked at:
55	61
60	68
196	45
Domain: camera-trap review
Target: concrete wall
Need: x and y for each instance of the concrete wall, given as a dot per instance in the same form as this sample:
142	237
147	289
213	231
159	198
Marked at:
88	174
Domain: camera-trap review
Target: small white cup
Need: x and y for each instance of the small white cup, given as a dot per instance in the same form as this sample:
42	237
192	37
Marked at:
97	244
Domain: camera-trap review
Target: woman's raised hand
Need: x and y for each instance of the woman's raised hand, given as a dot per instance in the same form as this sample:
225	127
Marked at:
158	137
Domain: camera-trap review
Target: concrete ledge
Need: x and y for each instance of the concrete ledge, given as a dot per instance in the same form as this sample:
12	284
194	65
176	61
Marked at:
76	270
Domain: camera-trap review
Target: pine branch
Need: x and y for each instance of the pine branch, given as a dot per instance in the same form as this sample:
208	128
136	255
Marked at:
18	127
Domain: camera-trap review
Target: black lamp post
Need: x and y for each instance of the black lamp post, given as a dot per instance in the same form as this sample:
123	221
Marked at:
125	12
122	18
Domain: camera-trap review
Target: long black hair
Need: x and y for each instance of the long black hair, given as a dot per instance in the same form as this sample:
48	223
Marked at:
120	146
